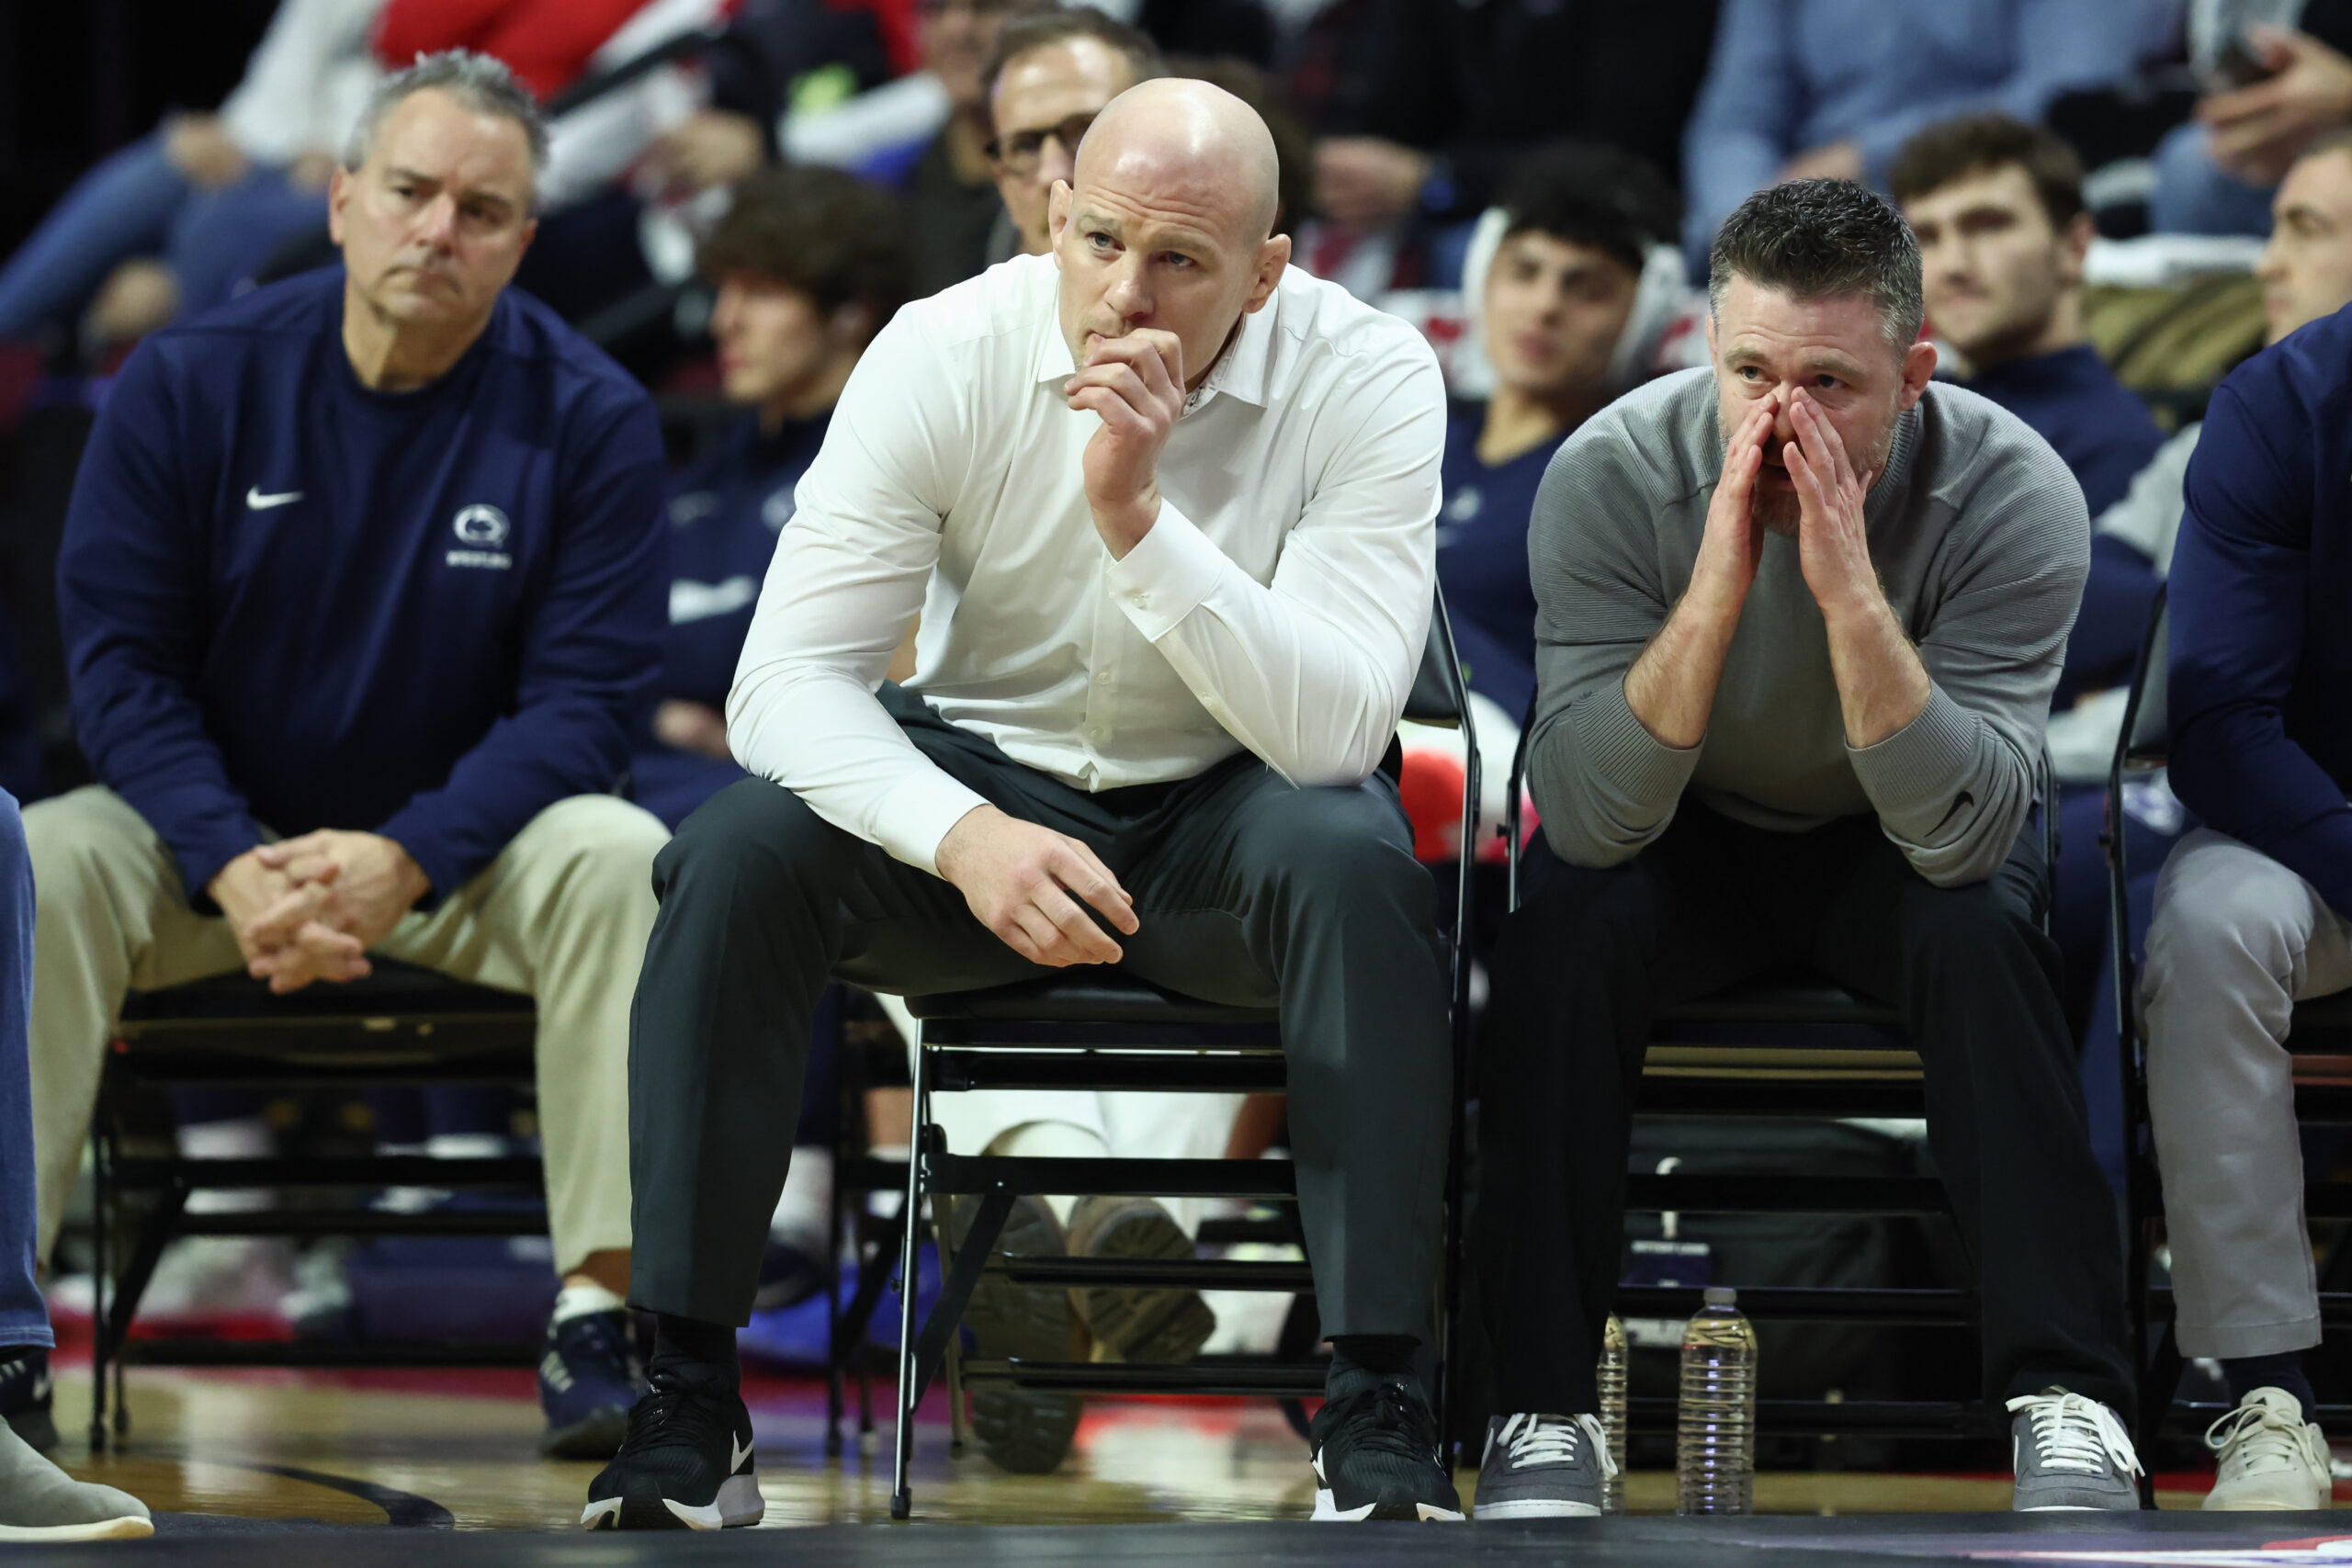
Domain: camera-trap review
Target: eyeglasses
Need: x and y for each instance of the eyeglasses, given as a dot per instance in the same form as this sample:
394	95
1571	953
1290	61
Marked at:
1019	151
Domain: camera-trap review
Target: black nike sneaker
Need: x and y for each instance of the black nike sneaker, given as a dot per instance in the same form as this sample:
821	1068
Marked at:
686	1463
1375	1455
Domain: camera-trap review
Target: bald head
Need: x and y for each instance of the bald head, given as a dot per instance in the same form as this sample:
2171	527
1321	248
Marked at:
1191	145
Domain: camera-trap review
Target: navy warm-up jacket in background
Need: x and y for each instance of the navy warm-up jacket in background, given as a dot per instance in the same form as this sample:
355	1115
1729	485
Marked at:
288	600
2261	656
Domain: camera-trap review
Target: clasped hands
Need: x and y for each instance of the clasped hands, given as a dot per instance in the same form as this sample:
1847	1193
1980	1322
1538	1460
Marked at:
310	908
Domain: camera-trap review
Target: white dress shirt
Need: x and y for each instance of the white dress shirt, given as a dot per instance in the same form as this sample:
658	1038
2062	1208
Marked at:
1280	603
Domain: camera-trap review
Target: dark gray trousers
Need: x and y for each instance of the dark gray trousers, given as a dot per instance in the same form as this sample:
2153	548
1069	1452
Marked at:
1250	891
1592	955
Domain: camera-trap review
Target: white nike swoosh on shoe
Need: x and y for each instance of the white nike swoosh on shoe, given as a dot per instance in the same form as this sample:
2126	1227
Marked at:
736	1456
260	503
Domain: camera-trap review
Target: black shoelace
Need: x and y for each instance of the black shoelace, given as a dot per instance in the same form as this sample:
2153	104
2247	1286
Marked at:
1387	1420
674	1412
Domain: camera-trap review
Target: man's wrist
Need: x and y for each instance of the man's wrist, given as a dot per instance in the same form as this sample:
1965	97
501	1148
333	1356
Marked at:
1861	611
1123	527
410	877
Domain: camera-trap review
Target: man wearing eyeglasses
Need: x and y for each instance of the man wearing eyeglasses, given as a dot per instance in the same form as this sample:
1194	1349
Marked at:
1053	74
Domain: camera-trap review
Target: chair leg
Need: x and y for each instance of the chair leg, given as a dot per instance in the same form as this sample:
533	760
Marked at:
101	1267
835	1346
910	1233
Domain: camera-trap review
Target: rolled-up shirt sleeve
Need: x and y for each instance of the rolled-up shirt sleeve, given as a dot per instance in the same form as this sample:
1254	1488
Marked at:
847	581
1311	671
1952	788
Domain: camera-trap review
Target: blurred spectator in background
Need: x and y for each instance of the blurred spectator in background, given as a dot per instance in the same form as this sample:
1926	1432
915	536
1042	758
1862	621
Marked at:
810	264
2277	77
1800	89
1053	74
1998	206
173	221
1446	97
1567	306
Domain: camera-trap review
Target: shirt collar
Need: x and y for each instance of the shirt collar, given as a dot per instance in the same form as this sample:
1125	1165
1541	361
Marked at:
1241	373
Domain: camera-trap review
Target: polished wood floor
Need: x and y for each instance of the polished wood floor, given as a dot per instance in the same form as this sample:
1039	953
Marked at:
385	1447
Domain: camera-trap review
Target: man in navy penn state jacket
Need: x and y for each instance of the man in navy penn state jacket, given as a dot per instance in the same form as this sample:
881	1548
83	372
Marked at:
2254	909
363	575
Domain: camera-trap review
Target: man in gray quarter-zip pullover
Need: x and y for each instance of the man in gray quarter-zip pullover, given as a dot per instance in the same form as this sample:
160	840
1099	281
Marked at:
1800	614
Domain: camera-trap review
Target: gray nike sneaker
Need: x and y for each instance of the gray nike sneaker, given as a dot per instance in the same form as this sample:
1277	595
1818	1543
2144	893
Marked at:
1542	1467
40	1502
2071	1454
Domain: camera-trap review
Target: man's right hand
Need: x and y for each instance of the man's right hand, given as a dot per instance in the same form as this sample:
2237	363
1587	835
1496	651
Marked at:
1019	878
245	889
1733	541
1671	687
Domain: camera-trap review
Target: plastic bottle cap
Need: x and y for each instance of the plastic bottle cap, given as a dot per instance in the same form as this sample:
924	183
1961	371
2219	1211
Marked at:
1721	1296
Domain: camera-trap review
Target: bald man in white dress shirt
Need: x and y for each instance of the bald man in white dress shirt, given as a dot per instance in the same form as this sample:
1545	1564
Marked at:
1166	508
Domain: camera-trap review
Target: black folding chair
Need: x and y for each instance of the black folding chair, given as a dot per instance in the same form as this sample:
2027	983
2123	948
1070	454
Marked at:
1859	1065
2319	1039
1099	1029
400	1025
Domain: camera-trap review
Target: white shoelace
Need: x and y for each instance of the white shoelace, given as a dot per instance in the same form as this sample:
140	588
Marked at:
1552	1439
2073	1433
2255	1440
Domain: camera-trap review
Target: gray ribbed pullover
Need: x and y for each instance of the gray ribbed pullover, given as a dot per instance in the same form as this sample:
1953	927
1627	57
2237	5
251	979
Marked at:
1981	541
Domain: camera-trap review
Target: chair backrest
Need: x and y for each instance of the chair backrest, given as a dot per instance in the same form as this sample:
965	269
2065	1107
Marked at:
1438	696
2147	719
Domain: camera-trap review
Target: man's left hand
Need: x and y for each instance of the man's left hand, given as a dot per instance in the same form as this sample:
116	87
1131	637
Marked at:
1832	545
358	883
1136	384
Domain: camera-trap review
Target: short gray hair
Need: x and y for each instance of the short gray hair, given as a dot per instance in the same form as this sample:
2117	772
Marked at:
1819	239
481	84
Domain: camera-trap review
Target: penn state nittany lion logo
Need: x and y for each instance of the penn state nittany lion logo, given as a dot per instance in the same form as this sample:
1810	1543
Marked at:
483	527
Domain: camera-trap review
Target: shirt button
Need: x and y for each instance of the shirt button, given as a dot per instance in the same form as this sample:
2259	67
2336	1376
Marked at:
1102	677
1098	735
1142	600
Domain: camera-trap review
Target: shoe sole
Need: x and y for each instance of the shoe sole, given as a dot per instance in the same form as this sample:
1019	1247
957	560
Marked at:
594	1436
643	1507
1536	1508
1144	1324
1020	1431
130	1527
1328	1512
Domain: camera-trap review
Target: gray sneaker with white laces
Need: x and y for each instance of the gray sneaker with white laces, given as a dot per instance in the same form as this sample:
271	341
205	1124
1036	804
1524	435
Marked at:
2071	1454
1542	1467
2269	1457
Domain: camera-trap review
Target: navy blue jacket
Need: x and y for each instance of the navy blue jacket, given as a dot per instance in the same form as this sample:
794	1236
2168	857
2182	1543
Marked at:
2091	420
288	600
2261	648
1482	559
725	514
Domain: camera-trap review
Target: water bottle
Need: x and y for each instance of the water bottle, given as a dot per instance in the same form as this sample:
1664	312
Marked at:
1714	1437
1613	1411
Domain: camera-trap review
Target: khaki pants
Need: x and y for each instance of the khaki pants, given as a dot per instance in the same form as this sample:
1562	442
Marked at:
2235	941
561	914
